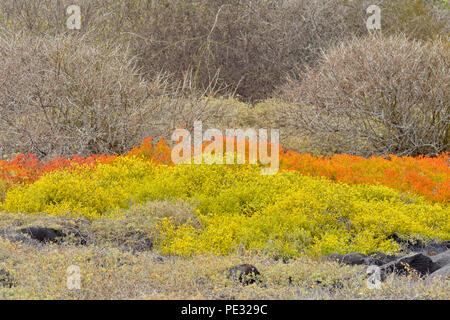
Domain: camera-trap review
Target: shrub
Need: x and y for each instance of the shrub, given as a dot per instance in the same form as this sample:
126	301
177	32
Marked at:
416	19
72	97
247	46
421	175
376	96
85	99
179	212
309	216
131	226
252	45
3	188
426	176
238	208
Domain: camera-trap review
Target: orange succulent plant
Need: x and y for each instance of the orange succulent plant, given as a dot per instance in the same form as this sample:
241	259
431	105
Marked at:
421	175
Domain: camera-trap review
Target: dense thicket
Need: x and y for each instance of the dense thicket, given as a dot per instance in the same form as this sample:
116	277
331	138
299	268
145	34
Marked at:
140	67
376	96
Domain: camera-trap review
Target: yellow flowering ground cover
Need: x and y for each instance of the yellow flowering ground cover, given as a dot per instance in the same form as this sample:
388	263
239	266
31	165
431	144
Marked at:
239	209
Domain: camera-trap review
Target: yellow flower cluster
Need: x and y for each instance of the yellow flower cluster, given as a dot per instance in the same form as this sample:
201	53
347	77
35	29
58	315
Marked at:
286	214
90	192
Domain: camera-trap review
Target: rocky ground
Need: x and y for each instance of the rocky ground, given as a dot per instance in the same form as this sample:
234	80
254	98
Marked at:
36	254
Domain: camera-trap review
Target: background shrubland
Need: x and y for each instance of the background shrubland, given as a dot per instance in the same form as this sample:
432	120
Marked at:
60	96
161	63
376	96
251	44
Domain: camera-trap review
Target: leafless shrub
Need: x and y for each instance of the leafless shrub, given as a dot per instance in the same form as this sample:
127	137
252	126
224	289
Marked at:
416	19
62	96
100	18
187	51
181	103
255	44
252	44
376	96
247	46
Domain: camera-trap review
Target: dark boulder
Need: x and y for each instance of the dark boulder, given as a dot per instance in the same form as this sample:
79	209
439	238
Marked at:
418	263
434	248
6	279
381	258
429	248
16	236
142	243
442	273
354	259
245	273
442	259
43	234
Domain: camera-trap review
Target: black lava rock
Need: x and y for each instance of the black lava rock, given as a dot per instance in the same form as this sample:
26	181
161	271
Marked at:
245	273
442	259
6	279
382	258
354	259
418	262
442	273
43	234
430	248
16	236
